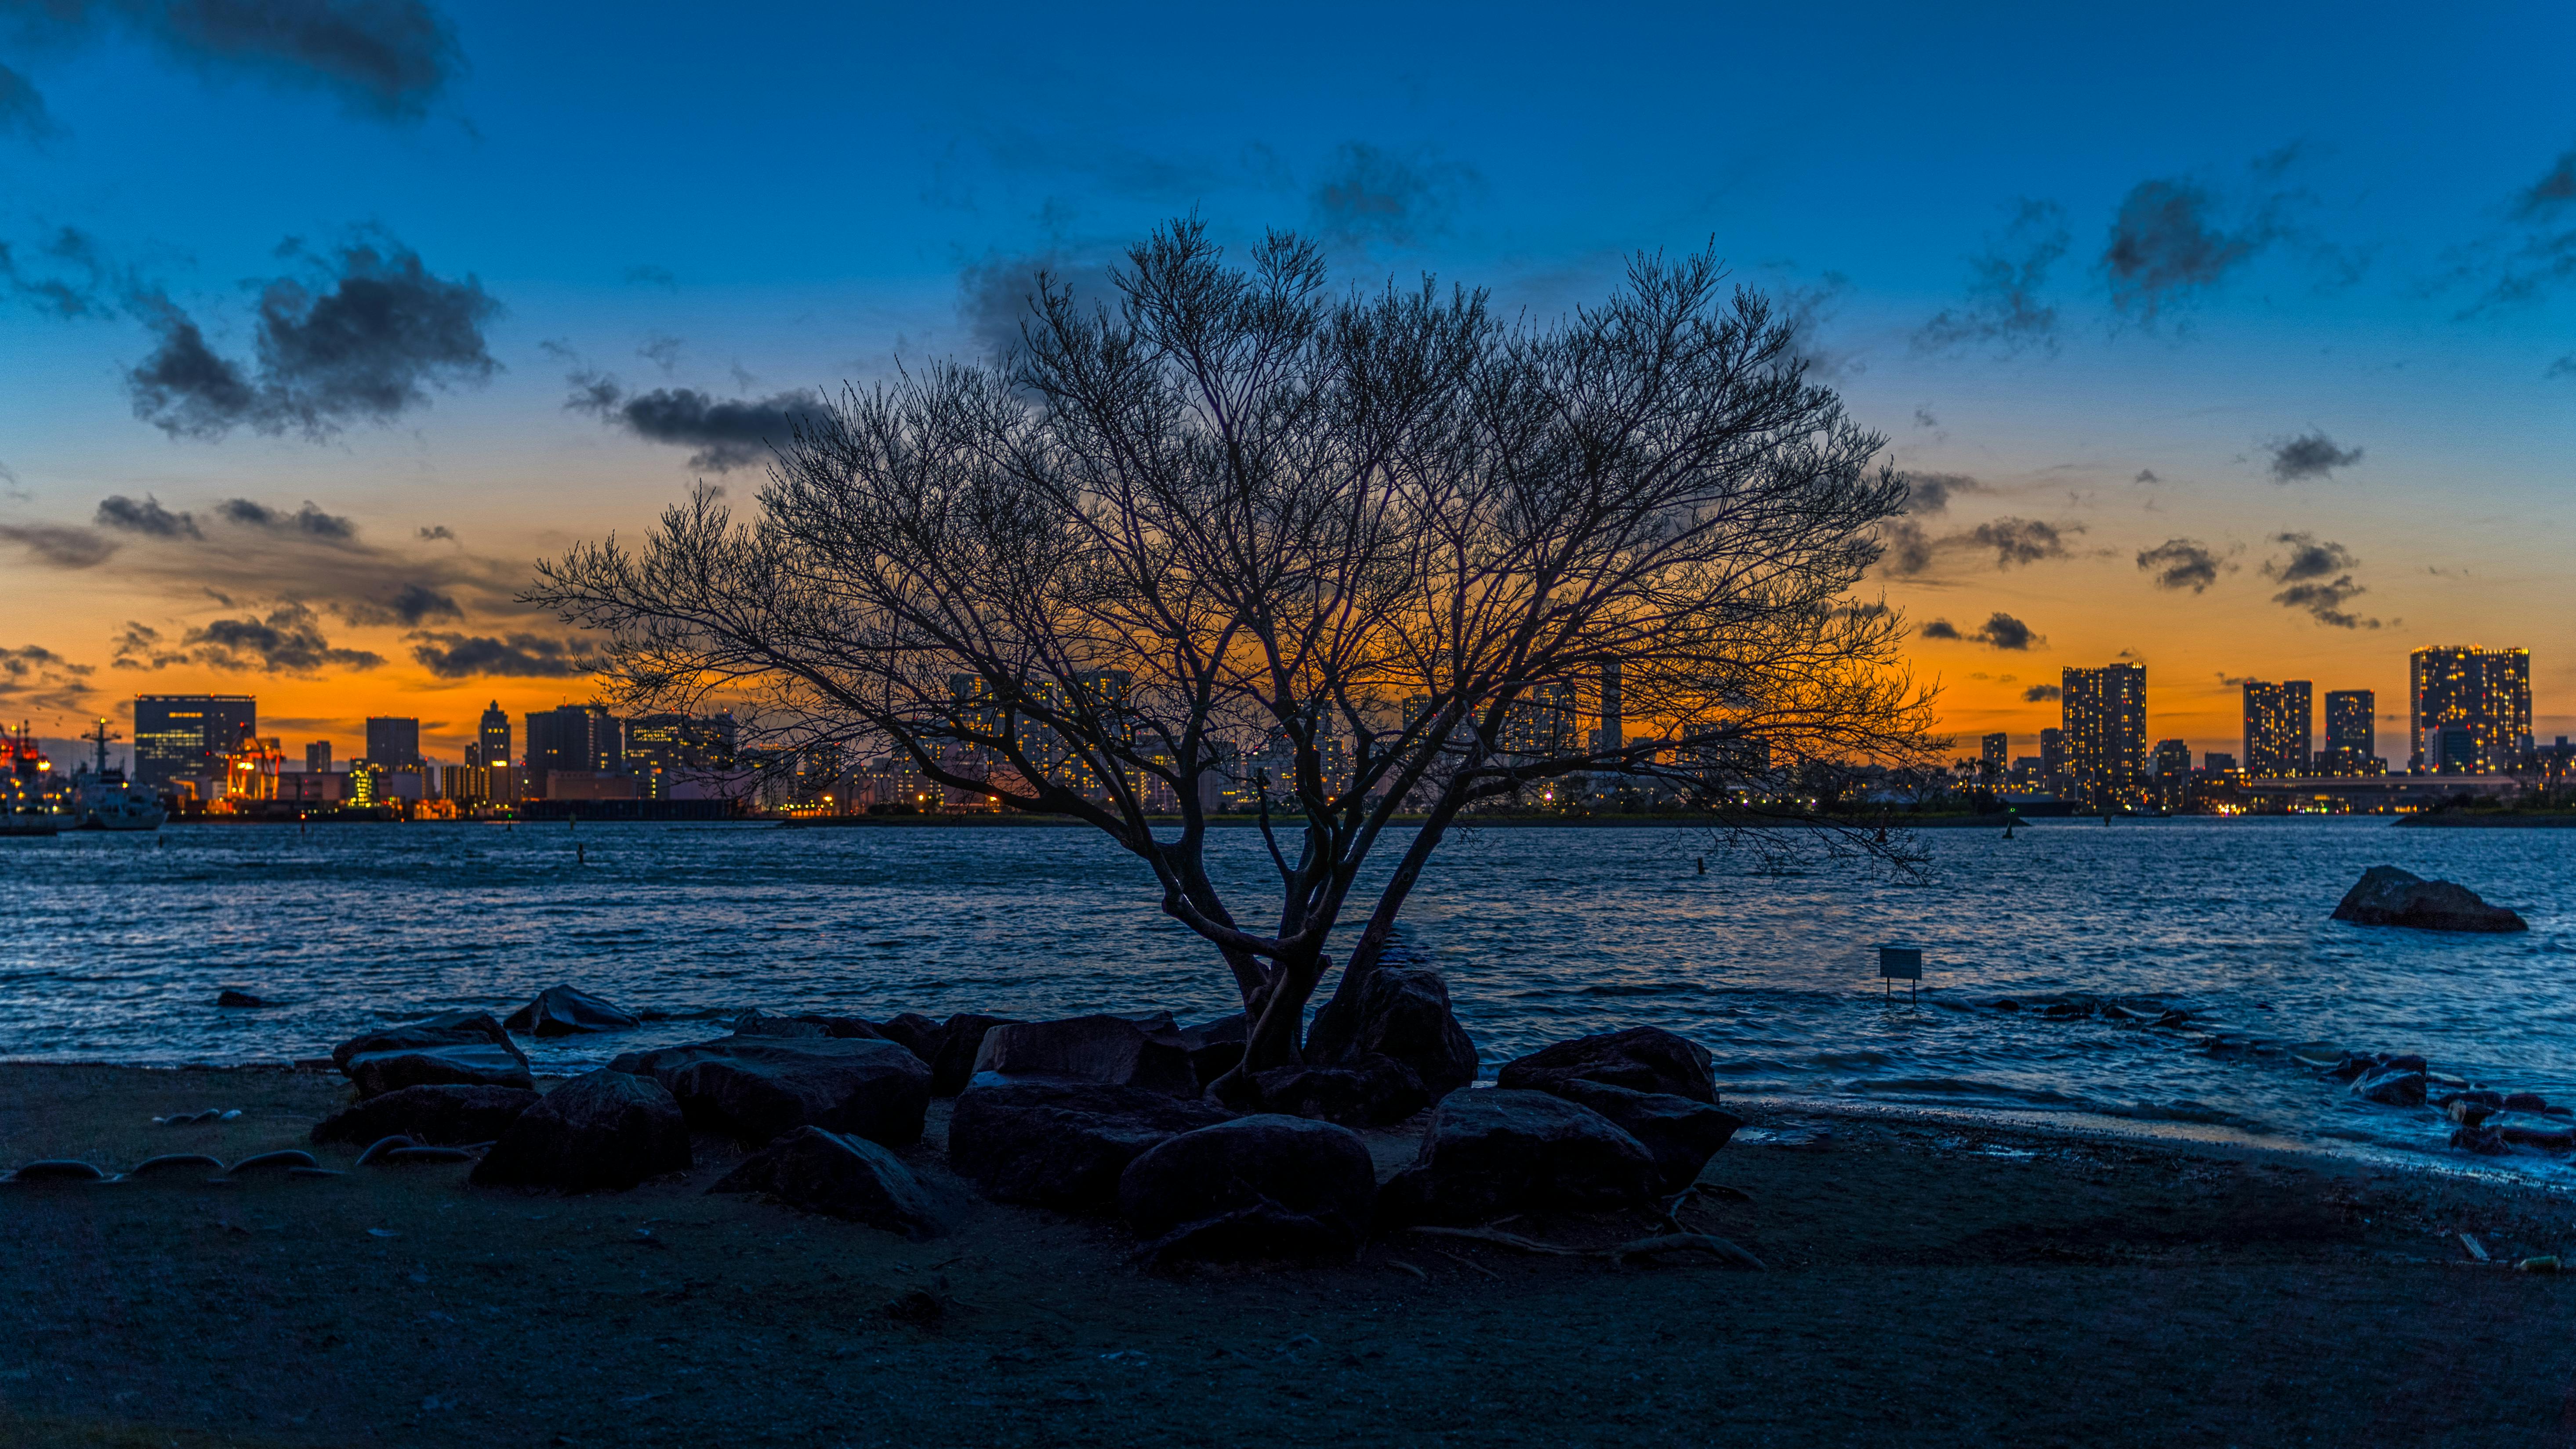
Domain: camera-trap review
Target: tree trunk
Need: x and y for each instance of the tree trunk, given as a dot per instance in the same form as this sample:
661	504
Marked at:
1271	1039
1337	1025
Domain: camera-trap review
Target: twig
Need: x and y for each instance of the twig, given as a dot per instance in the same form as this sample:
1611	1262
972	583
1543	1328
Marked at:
2476	1249
1639	1248
1408	1267
1463	1263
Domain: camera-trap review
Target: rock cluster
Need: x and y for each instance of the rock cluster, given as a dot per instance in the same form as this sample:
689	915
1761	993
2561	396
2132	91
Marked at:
755	1088
604	1129
464	1048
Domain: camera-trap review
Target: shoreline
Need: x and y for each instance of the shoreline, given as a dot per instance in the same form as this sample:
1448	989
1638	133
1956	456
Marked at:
1976	1269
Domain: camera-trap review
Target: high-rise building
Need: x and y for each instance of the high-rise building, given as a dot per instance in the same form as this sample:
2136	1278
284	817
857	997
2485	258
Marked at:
2352	735
493	736
392	741
317	758
1613	733
2481	698
666	750
1994	751
189	736
578	738
2105	711
2218	762
1541	721
2280	727
2170	768
2052	762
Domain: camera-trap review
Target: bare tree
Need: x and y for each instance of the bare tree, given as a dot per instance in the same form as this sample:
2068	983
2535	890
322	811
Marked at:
1373	550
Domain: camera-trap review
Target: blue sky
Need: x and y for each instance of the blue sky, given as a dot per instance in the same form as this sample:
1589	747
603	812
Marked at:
2045	250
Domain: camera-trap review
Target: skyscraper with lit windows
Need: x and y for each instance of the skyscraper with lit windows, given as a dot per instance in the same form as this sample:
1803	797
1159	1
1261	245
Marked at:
2105	713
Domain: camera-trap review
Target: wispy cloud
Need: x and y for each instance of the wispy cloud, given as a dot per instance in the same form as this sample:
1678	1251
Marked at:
2005	307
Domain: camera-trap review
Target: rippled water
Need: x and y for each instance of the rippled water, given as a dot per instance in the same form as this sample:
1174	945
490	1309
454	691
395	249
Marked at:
113	947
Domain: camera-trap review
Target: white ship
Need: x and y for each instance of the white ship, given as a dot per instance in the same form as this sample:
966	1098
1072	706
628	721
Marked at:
103	799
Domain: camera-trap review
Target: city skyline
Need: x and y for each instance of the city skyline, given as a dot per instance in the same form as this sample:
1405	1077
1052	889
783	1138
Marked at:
2286	380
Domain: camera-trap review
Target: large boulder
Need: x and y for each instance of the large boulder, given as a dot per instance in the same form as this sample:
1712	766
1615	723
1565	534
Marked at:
563	1011
604	1129
1641	1059
1256	1186
961	1037
1489	1153
755	1088
448	1028
1368	1091
839	1176
442	1114
1404	1014
465	1065
2387	896
1063	1144
757	1022
1115	1051
1682	1133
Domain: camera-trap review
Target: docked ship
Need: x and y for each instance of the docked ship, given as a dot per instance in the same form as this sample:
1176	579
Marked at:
30	797
103	799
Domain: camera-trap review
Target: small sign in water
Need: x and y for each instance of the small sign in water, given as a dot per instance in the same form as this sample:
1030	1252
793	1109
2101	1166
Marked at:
1900	963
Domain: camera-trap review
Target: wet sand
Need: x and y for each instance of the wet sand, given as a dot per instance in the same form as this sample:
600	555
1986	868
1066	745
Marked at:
1929	1283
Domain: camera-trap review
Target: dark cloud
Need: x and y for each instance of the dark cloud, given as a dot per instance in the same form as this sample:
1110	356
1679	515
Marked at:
2003	307
309	520
65	275
2039	692
518	656
2171	240
409	605
382	58
1369	194
2544	198
2146	475
36	678
2563	367
1932	492
363	341
2318	579
2018	540
662	350
728	433
2309	455
438	533
1805	311
2000	631
2536	252
1923	418
2180	563
995	296
148	518
288	641
59	545
1907	548
21	109
649	276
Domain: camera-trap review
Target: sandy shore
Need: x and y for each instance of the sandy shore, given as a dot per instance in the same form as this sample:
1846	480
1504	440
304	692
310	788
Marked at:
1930	1283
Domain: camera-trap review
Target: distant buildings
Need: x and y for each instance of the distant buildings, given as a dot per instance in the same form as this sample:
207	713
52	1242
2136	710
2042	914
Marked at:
317	758
2469	710
492	736
2052	761
2105	711
2352	736
188	736
2280	728
393	742
1994	752
2169	773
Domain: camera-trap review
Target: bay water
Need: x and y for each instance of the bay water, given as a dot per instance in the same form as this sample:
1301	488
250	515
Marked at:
113	947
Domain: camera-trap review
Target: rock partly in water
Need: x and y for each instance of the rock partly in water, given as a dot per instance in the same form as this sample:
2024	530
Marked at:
839	1176
603	1129
232	997
1115	1051
1063	1144
377	1073
564	1011
961	1037
1404	1014
1682	1132
755	1088
1262	1186
443	1114
915	1033
1641	1059
1488	1153
2391	1087
451	1028
1366	1091
2387	896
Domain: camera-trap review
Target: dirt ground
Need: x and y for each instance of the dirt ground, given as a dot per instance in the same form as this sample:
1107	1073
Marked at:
1927	1284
